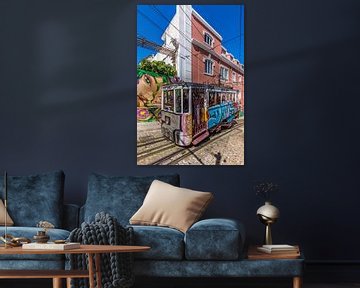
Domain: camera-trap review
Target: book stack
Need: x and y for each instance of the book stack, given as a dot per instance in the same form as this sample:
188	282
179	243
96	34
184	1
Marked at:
279	249
273	252
51	246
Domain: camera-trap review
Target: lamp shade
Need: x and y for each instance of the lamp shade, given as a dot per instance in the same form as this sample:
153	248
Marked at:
269	211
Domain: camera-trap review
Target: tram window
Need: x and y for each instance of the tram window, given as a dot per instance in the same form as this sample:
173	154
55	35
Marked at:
195	92
222	97
185	101
212	99
218	98
201	93
169	100
178	100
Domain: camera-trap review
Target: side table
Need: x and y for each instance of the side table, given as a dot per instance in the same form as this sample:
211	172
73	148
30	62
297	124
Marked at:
93	251
288	259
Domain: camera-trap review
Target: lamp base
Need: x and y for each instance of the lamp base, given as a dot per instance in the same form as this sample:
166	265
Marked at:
268	237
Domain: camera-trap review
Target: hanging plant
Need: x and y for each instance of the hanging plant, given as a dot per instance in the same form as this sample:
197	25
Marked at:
159	67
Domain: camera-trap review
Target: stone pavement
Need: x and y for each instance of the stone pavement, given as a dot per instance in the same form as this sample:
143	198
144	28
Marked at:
222	148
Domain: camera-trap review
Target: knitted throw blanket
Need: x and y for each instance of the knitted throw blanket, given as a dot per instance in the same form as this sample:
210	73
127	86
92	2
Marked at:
116	268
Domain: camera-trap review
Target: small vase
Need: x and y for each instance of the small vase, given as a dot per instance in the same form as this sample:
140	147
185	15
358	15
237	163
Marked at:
41	237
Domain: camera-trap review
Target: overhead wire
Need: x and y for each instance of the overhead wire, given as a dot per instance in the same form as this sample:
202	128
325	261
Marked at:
220	44
241	10
184	36
162	29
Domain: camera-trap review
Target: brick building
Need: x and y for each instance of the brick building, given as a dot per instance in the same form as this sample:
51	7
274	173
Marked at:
200	56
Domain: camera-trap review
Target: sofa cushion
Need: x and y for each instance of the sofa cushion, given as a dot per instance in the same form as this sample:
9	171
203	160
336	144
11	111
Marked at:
214	239
119	196
29	232
165	243
9	221
35	198
169	206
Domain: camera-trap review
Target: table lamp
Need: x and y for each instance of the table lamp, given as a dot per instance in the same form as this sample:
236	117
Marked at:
268	214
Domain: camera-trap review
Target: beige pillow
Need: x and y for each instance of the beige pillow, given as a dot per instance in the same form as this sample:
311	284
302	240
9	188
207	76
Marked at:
9	221
170	206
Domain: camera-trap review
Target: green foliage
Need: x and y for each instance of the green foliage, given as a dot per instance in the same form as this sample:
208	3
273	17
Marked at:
159	67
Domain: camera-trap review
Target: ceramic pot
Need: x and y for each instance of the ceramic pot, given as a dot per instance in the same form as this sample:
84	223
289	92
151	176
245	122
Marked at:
41	237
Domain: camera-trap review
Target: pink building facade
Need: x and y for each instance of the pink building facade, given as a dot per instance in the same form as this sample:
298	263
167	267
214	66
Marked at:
201	57
211	63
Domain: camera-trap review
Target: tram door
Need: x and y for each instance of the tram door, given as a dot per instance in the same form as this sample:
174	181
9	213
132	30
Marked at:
199	111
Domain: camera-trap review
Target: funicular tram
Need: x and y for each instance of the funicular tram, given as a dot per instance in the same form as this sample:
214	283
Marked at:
191	112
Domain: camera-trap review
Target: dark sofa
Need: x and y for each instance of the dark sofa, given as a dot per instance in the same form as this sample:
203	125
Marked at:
210	248
32	199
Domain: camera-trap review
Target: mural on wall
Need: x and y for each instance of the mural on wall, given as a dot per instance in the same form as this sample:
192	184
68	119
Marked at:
149	94
190	93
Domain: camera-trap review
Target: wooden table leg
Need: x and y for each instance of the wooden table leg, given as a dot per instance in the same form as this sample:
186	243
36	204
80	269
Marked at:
57	283
98	270
91	270
297	282
68	282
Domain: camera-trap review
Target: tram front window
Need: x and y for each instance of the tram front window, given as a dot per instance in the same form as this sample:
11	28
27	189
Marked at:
178	101
186	101
169	100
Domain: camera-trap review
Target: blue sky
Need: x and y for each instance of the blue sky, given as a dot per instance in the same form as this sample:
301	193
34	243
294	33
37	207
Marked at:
227	20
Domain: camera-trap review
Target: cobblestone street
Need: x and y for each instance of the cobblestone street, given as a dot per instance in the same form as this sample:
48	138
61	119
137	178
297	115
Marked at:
223	148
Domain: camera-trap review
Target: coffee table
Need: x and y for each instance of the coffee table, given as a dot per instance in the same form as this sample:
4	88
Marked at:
94	267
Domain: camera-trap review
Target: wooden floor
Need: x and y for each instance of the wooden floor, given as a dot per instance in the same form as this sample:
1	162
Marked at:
45	283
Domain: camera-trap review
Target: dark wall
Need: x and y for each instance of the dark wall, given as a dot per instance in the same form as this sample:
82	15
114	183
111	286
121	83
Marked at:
67	100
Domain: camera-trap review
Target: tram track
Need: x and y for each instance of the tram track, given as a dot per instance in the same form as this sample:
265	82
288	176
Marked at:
155	150
171	159
154	141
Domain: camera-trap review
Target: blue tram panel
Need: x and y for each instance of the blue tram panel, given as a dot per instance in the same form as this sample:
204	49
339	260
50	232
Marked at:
191	112
218	114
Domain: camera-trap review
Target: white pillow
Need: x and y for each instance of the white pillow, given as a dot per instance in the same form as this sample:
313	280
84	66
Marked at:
9	221
170	206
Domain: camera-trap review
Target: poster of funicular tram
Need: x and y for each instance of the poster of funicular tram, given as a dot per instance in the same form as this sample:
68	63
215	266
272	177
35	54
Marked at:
190	85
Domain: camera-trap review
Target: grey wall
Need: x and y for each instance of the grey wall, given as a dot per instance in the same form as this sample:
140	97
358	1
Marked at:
67	100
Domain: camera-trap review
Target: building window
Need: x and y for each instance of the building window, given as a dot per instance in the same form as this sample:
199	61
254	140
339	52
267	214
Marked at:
234	77
224	73
208	39
240	79
208	66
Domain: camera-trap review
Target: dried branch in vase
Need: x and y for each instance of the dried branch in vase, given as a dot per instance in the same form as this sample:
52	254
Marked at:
265	189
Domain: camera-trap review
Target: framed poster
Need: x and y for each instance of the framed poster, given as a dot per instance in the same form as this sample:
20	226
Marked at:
190	85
